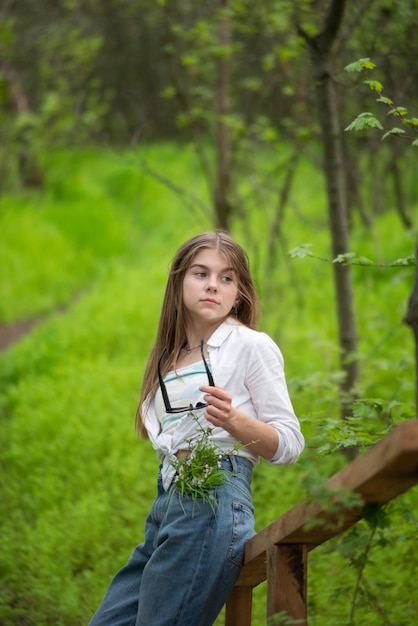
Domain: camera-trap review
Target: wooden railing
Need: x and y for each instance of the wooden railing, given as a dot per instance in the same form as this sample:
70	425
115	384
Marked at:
279	553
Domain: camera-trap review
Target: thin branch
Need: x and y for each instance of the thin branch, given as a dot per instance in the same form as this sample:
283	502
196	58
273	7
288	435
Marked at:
190	199
359	262
352	25
332	23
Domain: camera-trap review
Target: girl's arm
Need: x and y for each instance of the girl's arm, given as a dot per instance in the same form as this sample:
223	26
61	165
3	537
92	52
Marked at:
261	438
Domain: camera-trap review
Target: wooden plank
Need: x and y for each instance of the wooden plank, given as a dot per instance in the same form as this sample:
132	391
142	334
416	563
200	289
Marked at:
254	572
386	470
287	581
239	607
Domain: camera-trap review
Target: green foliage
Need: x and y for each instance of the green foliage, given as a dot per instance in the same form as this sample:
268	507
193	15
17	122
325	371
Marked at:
199	473
334	503
350	258
371	419
366	120
65	261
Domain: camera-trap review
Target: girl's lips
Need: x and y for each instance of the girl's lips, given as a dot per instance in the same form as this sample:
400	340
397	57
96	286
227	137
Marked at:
209	300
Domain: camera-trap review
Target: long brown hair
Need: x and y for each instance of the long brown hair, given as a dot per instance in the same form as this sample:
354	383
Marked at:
171	333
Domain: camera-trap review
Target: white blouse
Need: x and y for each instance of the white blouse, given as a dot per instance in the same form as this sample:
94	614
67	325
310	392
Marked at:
249	365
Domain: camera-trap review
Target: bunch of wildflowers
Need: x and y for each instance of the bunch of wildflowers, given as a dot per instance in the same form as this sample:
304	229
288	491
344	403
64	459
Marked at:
200	472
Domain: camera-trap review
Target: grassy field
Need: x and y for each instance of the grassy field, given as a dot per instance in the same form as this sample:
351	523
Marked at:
76	481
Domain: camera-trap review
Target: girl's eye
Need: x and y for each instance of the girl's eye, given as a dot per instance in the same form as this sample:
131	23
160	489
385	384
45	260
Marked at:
200	274
226	279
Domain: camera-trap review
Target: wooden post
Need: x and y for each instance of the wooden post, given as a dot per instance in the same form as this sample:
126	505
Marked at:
287	581
239	606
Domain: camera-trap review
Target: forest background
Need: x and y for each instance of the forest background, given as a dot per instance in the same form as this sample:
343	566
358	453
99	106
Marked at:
128	125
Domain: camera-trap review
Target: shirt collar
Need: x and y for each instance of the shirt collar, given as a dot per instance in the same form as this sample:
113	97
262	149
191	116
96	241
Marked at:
222	332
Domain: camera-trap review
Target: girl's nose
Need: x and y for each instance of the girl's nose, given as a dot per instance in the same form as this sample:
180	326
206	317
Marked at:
212	284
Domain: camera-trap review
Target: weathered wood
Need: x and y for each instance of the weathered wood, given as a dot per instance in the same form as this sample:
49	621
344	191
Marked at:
386	470
239	606
287	581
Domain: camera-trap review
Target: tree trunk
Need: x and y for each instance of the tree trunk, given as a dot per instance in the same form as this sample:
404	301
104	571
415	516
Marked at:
411	318
398	182
320	47
30	172
223	135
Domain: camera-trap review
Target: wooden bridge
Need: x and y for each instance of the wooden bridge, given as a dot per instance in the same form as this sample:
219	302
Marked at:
279	553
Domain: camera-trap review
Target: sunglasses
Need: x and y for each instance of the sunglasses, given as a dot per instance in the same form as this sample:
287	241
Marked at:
199	405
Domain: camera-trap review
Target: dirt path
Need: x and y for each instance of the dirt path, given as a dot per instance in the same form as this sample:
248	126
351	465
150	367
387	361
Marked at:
10	333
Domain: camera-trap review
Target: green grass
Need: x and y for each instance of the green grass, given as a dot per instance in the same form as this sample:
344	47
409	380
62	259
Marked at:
76	481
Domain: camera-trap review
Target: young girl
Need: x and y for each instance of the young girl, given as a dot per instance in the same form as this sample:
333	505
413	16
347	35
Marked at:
209	372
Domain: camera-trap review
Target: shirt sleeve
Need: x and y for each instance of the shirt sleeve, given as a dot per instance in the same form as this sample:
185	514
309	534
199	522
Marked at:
266	382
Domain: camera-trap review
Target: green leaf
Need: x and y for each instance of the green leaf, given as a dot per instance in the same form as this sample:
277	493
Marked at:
409	260
398	111
351	258
301	251
345	259
360	65
394	131
385	100
413	121
362	409
362	260
364	121
375	85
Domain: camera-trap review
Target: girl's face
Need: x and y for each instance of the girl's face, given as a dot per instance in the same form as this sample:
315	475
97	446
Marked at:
210	288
